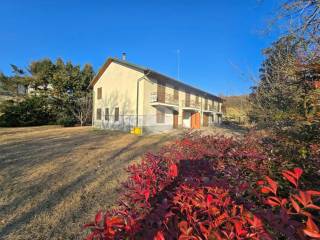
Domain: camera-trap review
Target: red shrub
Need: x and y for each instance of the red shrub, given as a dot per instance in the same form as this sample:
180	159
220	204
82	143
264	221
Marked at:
200	188
295	212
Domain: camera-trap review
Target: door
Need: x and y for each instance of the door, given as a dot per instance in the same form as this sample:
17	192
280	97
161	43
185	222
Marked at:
186	119
175	119
195	120
205	120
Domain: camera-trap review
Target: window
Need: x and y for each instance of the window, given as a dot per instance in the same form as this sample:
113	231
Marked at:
160	116
206	104
176	93
116	114
161	91
106	114
98	113
187	104
99	96
197	99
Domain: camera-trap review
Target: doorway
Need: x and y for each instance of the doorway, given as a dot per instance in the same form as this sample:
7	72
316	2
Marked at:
195	120
186	119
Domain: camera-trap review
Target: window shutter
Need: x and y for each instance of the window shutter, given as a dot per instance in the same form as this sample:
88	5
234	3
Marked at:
98	113
116	114
106	117
99	95
160	116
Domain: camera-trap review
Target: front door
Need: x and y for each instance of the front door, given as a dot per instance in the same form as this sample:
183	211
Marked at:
186	119
195	120
175	119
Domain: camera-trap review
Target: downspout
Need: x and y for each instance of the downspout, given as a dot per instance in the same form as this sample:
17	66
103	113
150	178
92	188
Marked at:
138	85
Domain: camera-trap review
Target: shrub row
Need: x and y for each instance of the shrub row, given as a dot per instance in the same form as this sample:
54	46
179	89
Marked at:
210	188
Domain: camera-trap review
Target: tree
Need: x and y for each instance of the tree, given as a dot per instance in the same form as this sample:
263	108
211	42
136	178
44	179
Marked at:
64	85
301	18
272	98
15	85
285	95
70	89
41	74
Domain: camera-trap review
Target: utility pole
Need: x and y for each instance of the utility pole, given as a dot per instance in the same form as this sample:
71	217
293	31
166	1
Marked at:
178	63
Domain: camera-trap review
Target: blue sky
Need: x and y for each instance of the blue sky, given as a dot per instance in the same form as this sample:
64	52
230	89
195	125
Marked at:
218	40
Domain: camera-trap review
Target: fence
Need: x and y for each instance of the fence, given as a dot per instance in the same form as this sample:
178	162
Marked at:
149	123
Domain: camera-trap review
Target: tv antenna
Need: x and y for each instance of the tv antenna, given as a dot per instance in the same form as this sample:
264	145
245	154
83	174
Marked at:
178	63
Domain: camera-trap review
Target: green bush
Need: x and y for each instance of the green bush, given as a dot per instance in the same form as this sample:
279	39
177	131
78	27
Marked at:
31	111
67	121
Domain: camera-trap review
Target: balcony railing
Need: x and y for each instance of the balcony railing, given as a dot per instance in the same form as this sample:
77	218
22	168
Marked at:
167	99
211	108
191	104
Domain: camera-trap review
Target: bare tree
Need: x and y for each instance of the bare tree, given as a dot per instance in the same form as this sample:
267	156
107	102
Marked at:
81	108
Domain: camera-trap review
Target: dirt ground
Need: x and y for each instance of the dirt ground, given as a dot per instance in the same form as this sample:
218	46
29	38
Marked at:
52	179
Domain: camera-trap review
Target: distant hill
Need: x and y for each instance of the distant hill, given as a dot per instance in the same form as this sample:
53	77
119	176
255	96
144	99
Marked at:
236	107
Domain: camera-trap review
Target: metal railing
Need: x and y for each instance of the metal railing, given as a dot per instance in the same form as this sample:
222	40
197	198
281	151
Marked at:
168	98
191	104
211	108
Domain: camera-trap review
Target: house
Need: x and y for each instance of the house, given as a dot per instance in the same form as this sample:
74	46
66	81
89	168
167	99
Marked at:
126	95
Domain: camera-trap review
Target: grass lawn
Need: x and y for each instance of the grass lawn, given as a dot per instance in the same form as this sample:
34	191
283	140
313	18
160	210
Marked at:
52	179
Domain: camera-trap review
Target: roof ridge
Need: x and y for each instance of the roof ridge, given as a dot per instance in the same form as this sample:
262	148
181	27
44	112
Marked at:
146	69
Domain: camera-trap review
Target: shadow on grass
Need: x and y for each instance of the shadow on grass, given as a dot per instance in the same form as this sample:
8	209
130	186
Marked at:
88	177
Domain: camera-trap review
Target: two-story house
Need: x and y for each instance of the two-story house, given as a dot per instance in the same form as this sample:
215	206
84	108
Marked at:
126	95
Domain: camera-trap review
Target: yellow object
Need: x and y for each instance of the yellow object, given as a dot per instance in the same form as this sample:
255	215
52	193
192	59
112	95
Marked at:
136	131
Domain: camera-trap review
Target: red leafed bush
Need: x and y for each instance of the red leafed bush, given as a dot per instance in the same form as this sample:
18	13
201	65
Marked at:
294	211
201	188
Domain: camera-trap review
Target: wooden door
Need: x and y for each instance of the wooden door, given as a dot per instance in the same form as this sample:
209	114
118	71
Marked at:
195	120
161	91
205	120
175	119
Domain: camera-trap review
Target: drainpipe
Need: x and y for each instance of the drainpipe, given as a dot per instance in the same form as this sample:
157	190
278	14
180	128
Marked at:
138	85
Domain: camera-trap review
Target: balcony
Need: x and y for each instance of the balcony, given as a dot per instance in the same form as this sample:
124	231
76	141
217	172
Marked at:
191	105
165	100
210	108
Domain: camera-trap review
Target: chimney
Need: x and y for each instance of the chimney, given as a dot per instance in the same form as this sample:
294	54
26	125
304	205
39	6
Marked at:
124	56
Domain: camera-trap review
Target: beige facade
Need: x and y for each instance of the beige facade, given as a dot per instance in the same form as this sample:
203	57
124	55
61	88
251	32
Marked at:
126	95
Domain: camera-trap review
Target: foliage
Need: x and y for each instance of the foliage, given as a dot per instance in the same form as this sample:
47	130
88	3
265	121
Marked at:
63	84
200	188
67	121
14	85
294	211
34	110
237	108
286	99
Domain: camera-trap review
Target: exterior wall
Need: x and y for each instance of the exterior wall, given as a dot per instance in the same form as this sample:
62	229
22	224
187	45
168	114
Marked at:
149	112
150	86
119	86
119	89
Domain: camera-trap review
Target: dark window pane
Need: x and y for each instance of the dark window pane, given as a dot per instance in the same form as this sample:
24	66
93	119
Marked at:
99	96
106	117
98	113
116	114
160	116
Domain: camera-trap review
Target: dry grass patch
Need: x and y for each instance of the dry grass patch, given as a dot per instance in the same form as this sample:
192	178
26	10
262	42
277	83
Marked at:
53	179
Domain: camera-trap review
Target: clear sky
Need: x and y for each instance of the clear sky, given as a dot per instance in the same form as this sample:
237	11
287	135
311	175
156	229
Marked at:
218	39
